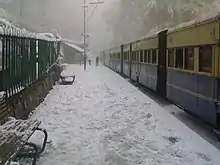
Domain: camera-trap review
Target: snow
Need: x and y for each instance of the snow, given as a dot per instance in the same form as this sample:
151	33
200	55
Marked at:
47	36
67	73
154	33
69	79
102	119
75	47
2	94
14	163
9	29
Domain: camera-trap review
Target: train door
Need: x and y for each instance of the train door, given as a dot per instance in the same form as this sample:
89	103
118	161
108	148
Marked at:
122	59
138	64
161	67
130	59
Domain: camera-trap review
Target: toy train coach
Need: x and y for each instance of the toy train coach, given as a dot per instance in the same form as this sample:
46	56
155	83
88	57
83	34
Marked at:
180	63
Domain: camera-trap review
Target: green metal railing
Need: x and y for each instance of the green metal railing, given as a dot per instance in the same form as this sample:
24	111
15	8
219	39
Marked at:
23	60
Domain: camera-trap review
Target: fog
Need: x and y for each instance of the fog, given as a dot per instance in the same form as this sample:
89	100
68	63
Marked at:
112	23
64	17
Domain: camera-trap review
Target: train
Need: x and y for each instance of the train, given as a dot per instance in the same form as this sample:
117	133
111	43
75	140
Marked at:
180	63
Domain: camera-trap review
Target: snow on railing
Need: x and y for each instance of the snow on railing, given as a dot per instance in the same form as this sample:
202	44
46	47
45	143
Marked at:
7	28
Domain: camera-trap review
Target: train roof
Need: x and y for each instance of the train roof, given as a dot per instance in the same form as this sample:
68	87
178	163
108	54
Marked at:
198	21
152	34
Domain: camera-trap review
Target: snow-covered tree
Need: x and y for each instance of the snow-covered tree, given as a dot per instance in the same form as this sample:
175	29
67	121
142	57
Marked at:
136	18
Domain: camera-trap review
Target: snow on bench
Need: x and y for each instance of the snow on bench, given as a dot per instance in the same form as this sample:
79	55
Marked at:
67	77
14	135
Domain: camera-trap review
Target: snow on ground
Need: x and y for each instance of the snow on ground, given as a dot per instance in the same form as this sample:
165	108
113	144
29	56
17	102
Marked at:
103	120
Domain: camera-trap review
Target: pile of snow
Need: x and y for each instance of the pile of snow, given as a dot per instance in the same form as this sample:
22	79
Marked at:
154	32
2	94
14	163
5	23
67	73
69	79
48	36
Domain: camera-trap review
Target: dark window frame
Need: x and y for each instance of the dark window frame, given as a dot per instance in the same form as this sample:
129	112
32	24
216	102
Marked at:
154	56
149	56
179	56
209	68
169	57
145	56
189	55
141	56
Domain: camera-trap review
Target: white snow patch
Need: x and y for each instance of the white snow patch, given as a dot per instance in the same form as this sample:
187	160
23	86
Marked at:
69	79
67	73
103	119
8	28
2	94
14	163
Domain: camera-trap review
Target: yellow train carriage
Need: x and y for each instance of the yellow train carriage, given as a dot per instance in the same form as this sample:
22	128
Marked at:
145	61
115	58
193	67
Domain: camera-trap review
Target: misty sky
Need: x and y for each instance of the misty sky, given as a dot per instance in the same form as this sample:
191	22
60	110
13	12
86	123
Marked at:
67	17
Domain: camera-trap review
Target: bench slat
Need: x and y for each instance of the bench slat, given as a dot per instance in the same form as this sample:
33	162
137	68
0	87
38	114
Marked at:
13	136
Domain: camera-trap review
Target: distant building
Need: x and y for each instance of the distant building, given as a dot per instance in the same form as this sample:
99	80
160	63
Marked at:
72	53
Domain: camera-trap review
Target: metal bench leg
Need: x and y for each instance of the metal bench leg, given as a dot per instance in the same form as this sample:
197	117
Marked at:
36	152
30	155
45	140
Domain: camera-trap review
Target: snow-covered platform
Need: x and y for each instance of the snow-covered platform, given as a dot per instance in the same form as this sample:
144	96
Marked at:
103	120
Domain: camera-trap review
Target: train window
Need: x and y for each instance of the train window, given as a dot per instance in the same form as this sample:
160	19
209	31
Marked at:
154	56
141	56
205	59
179	58
149	56
133	56
137	55
189	58
145	56
170	57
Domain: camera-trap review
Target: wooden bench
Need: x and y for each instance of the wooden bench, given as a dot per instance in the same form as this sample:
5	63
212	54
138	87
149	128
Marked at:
14	136
67	78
